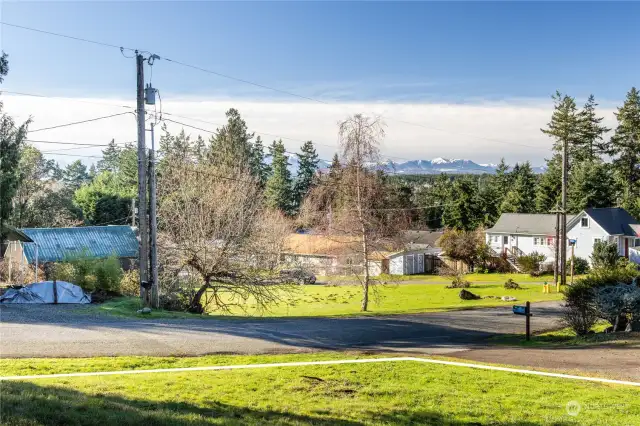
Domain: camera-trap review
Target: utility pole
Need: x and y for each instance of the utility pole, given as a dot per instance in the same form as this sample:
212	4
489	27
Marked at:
133	212
556	257
563	222
143	247
153	254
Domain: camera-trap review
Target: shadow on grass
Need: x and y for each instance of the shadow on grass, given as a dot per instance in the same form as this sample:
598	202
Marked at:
26	403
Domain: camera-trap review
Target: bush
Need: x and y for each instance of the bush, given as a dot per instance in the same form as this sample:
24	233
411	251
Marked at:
531	263
459	282
580	265
619	304
580	311
511	285
103	275
130	283
605	255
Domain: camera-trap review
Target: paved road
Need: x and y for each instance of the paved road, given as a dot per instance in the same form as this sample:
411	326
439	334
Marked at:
65	331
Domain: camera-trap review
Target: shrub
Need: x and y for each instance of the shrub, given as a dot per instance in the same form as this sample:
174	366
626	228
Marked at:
580	265
580	311
458	281
511	285
108	274
531	263
91	275
605	255
619	304
130	283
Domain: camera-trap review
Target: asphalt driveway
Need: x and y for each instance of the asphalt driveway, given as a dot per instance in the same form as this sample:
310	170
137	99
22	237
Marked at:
67	331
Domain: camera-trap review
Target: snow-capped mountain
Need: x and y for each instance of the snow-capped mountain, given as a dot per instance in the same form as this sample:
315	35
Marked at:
418	167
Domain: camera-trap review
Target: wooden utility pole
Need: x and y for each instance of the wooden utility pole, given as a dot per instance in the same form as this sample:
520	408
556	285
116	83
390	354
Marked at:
153	253
133	212
143	246
556	257
563	207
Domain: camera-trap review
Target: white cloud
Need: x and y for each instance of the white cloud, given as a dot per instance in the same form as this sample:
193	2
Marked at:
483	132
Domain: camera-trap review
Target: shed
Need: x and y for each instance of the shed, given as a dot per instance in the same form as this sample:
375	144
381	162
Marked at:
411	262
97	242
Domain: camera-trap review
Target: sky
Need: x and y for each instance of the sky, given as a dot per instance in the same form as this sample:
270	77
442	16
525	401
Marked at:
454	80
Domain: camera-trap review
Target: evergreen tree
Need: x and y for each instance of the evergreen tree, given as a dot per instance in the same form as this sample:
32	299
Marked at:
335	168
231	145
590	144
522	196
307	167
565	124
12	139
549	188
490	198
110	157
259	168
433	198
592	185
624	147
75	175
279	191
92	171
462	211
496	189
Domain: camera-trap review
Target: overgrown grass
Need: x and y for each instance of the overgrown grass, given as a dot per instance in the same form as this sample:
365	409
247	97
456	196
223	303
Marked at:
316	300
567	337
403	393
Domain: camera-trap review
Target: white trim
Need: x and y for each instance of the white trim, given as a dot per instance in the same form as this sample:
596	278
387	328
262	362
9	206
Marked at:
334	362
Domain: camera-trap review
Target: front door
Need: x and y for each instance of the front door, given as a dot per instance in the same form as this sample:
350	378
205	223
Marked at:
505	243
626	248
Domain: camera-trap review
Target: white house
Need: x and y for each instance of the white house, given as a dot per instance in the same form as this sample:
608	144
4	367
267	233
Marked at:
516	234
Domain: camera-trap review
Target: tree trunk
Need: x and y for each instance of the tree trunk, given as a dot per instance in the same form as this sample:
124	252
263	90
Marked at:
196	303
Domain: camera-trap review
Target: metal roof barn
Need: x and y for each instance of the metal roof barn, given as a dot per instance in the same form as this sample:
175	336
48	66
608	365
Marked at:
59	244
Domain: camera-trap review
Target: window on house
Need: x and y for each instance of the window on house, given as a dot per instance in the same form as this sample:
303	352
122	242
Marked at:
496	238
637	243
584	222
549	241
539	241
597	240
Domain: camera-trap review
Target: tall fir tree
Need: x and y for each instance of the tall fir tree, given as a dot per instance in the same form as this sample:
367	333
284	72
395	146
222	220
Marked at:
259	168
279	189
590	144
110	157
75	175
307	167
434	199
231	145
565	125
522	196
624	147
462	210
549	186
592	185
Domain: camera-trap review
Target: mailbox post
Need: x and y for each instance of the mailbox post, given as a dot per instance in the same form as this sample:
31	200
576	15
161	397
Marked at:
526	311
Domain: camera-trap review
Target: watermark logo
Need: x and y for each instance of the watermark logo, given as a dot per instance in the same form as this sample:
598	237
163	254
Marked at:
573	408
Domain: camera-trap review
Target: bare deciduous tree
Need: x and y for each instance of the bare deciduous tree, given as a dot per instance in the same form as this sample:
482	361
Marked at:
213	222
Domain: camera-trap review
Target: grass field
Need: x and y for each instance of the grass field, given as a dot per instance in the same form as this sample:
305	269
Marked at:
567	337
403	393
319	300
474	278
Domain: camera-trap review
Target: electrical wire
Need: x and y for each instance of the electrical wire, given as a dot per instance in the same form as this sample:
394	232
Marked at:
34	95
263	86
65	36
79	122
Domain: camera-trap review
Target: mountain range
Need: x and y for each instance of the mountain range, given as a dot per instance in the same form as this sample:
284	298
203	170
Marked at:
421	167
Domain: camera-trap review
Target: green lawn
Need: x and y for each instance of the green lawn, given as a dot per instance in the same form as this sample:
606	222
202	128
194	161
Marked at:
403	393
567	337
474	277
319	300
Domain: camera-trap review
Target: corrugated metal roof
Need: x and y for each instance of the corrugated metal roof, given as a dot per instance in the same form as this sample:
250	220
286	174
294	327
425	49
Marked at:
58	244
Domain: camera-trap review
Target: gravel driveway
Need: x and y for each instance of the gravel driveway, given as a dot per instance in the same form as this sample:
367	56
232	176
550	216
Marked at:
69	331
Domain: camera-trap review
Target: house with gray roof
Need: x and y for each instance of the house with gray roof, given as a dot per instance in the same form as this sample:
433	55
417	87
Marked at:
516	234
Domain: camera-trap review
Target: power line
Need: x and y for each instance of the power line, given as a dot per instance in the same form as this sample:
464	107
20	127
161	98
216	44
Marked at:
65	36
80	122
263	86
72	155
34	95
